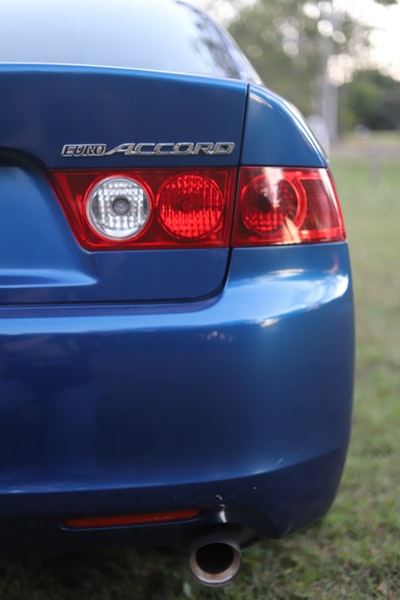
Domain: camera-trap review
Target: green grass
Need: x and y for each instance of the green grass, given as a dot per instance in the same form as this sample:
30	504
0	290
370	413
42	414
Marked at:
355	552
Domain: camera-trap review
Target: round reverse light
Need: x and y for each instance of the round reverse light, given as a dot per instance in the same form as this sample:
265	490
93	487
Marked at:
118	207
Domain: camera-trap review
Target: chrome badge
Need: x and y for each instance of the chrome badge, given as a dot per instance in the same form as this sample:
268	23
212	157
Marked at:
149	149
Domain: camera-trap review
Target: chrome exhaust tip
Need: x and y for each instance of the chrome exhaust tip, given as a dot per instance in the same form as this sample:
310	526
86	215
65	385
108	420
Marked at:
214	560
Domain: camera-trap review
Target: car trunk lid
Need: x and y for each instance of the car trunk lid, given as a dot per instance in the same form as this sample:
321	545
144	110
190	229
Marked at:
67	119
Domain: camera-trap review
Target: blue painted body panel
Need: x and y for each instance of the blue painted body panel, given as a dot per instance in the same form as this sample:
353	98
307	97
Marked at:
276	134
140	381
60	105
105	398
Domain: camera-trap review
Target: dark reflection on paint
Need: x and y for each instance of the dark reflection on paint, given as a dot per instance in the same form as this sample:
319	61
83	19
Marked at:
144	34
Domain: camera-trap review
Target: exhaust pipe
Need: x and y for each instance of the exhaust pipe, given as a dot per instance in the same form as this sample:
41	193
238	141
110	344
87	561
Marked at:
215	560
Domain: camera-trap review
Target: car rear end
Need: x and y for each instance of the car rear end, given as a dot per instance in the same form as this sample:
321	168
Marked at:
176	311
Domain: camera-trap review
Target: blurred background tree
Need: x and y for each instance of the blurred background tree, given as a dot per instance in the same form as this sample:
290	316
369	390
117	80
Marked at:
315	53
372	100
290	43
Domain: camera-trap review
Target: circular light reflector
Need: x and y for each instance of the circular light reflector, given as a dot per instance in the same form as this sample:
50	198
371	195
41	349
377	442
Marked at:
118	207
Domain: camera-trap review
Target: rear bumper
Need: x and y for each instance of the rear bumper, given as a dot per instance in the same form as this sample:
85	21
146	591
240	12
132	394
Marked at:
271	504
238	405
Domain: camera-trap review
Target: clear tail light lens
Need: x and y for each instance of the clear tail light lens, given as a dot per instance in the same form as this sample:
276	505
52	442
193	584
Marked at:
118	207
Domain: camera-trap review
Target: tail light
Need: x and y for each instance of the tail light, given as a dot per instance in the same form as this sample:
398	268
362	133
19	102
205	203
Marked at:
118	207
190	206
148	208
175	208
286	206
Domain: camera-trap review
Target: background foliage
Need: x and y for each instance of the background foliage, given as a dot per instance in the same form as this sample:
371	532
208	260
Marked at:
371	99
300	47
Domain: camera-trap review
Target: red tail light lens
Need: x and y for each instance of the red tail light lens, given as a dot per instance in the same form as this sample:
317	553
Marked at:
175	208
126	520
190	206
286	206
148	208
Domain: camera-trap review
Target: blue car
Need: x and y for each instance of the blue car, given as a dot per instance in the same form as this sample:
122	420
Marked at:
176	332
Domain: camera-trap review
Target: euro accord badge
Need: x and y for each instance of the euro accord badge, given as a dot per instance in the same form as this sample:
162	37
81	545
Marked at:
149	149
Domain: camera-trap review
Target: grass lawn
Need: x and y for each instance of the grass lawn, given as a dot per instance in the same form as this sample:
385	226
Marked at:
355	552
